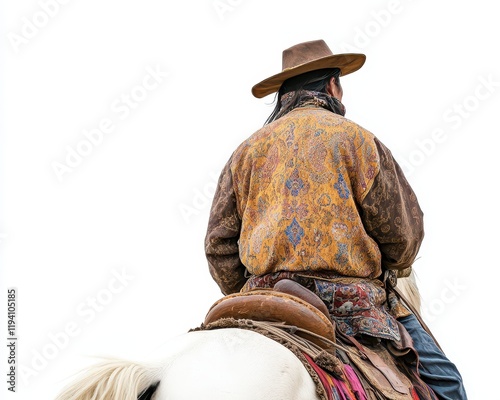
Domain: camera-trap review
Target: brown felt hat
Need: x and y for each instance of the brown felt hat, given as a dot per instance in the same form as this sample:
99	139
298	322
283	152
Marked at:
307	57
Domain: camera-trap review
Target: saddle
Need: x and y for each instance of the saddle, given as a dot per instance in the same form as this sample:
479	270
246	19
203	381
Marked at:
288	302
292	304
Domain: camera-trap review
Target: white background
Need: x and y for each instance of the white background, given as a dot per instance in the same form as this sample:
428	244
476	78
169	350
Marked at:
137	203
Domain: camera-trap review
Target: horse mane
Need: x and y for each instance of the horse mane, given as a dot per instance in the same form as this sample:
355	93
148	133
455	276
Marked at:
114	379
408	286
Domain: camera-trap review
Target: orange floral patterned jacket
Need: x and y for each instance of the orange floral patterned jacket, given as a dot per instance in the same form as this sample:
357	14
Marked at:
312	191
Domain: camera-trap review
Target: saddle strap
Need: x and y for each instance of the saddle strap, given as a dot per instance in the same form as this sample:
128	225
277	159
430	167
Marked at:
378	363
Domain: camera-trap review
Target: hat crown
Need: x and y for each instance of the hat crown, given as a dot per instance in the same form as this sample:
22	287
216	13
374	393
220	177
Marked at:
303	53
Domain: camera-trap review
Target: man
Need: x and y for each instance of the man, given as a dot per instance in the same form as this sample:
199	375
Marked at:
316	198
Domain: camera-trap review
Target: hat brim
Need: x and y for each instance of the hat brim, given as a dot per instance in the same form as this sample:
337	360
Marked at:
347	63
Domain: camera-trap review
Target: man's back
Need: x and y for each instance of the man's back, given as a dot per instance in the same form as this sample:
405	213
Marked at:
299	182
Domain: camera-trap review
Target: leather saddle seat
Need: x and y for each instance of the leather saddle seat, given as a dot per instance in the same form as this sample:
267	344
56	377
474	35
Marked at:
288	302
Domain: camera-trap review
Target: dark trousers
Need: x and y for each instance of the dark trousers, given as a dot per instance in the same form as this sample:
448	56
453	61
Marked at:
439	373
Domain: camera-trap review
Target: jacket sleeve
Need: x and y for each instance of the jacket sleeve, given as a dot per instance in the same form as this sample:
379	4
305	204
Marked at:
392	216
221	241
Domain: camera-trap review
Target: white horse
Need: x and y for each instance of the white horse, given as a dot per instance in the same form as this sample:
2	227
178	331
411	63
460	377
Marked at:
211	365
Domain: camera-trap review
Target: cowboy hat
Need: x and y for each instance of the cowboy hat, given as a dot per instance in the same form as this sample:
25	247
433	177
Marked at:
306	57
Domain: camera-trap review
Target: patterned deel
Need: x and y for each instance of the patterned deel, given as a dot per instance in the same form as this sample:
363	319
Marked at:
312	191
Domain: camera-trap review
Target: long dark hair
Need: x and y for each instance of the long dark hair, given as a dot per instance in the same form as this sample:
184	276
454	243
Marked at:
316	81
